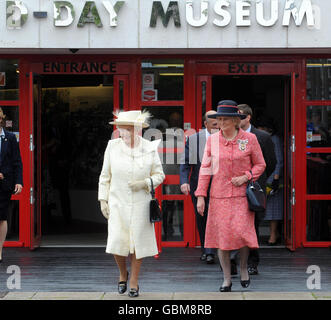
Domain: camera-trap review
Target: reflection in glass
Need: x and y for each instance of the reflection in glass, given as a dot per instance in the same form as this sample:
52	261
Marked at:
162	80
12	119
171	189
318	132
318	79
9	79
168	122
172	220
318	173
13	221
319	220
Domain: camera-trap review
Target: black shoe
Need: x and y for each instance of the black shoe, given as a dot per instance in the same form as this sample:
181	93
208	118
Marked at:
233	267
210	259
134	293
245	283
252	271
203	257
0	260
122	285
226	288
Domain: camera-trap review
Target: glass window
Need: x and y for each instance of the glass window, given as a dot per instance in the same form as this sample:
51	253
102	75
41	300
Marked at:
12	119
319	220
318	129
78	107
9	79
162	80
172	220
318	173
318	79
167	123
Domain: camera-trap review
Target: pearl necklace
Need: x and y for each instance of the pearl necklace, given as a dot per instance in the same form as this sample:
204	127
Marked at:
230	139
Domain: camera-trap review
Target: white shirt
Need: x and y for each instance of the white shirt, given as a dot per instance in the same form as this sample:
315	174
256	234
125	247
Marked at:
207	134
249	128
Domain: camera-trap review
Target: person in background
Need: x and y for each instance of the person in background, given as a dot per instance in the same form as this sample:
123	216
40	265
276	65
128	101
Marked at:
232	157
274	209
11	175
268	152
130	162
189	175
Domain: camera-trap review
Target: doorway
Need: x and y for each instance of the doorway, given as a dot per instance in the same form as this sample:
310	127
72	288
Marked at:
75	111
269	99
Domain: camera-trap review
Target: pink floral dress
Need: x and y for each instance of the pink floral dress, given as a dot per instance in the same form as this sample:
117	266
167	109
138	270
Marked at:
230	224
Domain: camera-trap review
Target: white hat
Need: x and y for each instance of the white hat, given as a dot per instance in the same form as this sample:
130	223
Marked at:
131	118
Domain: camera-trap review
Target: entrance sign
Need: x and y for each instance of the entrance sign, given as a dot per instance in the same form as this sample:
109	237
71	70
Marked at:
75	67
197	13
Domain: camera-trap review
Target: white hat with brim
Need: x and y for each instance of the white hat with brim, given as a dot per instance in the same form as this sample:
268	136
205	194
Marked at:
131	118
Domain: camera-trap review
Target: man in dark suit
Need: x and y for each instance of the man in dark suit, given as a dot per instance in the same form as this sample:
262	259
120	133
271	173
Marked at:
269	155
11	180
189	176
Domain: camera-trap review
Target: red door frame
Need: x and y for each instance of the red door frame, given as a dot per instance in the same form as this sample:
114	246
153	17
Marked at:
192	67
189	236
205	70
28	66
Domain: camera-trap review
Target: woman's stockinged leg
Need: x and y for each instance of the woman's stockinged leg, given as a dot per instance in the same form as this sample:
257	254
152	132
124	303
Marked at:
3	234
121	263
224	256
244	253
135	270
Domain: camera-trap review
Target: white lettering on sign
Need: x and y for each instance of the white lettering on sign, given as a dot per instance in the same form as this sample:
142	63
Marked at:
197	13
203	13
260	13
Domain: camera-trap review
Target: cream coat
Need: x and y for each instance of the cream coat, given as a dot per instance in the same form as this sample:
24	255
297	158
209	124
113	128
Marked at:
129	229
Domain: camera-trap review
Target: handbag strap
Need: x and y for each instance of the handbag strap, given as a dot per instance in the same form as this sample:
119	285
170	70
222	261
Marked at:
152	189
251	179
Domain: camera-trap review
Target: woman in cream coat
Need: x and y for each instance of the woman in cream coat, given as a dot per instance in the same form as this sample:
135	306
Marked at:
124	194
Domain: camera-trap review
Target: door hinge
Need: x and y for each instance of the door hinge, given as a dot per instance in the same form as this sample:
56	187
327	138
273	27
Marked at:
31	196
293	143
31	142
293	197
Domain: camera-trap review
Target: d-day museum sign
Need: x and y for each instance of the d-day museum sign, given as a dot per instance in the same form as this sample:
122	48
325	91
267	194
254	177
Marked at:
196	14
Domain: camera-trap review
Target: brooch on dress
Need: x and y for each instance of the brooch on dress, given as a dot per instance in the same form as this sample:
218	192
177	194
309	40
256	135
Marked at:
242	144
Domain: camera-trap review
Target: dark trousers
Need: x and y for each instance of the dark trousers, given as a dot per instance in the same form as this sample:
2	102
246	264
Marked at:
254	257
201	224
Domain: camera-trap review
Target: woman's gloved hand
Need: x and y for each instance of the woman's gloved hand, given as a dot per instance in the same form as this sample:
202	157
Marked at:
104	208
138	185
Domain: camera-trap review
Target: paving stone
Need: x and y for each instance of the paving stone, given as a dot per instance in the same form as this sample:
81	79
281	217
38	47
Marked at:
68	296
142	296
3	294
18	295
322	295
278	296
208	296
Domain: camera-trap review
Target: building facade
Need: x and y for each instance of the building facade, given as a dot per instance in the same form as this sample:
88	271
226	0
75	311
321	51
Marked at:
66	66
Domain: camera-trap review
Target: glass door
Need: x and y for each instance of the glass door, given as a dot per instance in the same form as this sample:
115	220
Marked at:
35	159
68	128
162	94
271	94
317	222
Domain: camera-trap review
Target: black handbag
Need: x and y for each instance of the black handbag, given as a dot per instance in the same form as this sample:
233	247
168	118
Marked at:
155	214
255	196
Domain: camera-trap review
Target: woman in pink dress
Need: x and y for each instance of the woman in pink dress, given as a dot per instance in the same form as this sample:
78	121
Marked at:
232	157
